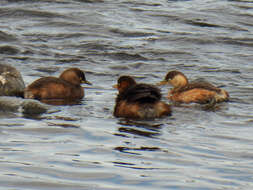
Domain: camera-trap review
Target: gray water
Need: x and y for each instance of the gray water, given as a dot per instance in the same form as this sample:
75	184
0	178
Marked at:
83	146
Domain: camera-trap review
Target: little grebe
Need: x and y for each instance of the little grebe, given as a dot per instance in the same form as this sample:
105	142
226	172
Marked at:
140	101
67	86
197	92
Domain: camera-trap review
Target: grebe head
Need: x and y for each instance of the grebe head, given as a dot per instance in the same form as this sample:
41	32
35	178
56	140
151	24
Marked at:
175	78
74	76
124	82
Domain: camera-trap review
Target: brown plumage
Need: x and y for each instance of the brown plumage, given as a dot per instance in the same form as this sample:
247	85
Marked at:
67	86
140	101
198	92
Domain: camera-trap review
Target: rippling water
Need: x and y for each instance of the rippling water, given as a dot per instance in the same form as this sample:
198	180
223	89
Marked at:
83	146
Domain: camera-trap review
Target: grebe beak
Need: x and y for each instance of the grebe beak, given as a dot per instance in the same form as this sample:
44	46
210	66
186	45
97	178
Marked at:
115	86
164	82
86	82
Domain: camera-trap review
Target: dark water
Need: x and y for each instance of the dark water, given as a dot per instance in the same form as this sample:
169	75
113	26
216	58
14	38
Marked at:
83	146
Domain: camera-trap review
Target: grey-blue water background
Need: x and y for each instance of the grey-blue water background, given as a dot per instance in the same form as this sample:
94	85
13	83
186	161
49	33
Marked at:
83	146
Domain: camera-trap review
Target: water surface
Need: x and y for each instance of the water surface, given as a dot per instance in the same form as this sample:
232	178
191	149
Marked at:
83	146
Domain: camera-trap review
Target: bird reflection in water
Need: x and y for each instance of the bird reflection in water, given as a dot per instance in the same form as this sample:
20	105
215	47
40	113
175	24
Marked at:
140	128
62	102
